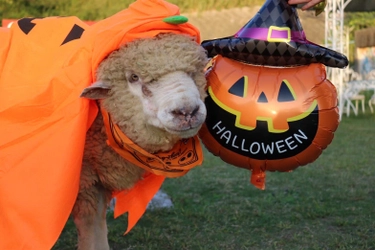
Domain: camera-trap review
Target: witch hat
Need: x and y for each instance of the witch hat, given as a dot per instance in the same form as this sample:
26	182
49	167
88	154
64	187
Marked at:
274	37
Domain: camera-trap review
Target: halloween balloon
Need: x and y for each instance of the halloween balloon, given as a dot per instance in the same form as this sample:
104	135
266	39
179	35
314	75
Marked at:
265	118
269	105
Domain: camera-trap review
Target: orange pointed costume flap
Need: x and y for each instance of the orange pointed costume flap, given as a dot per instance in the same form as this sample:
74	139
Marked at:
44	66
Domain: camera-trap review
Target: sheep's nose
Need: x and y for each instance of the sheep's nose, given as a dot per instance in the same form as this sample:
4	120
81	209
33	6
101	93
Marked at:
186	112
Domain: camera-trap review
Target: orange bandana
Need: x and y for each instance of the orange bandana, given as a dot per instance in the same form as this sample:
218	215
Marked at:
185	155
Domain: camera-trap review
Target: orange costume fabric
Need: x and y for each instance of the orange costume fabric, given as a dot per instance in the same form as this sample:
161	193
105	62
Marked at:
44	66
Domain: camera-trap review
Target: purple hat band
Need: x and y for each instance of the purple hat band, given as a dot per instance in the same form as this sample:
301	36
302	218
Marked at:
272	34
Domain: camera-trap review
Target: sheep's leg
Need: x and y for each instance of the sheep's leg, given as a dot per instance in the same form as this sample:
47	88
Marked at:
89	215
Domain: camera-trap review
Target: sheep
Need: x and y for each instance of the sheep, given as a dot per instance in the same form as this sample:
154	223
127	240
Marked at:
154	90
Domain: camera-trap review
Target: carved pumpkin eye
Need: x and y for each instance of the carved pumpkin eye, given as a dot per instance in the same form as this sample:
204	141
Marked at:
239	88
286	92
75	33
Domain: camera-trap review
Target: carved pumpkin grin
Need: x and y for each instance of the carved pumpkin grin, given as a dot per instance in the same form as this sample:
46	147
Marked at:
261	141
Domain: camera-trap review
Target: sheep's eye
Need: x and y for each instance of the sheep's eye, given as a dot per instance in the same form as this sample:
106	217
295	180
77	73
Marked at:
133	78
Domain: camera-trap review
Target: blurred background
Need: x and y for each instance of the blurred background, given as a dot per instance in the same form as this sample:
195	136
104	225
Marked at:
347	26
215	18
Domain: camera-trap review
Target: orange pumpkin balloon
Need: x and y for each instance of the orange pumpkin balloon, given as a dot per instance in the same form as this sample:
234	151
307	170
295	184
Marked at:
267	118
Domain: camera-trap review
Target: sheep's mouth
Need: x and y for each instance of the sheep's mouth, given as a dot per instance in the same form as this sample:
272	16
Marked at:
184	132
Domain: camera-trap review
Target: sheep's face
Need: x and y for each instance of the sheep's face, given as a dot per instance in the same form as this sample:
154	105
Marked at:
159	80
171	102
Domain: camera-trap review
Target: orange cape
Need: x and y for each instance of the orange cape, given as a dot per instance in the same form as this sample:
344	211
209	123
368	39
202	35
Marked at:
44	66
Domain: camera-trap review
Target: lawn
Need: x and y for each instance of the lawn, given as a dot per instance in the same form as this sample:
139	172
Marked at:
329	204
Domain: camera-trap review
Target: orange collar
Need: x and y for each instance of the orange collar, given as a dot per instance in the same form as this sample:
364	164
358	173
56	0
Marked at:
185	155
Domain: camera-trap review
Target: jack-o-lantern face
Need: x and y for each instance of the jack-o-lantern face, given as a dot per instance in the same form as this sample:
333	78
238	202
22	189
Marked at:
69	30
268	118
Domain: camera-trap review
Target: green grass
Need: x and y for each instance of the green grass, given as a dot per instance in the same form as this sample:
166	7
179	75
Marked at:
329	204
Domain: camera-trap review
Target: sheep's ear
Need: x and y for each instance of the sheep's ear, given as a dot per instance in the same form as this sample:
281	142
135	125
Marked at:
98	90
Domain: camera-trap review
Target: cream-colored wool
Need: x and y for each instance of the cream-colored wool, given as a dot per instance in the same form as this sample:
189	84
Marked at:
150	62
133	81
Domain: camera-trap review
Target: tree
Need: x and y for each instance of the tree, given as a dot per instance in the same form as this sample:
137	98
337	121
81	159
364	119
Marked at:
360	20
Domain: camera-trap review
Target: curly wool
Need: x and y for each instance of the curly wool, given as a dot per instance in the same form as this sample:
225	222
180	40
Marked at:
150	59
146	58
